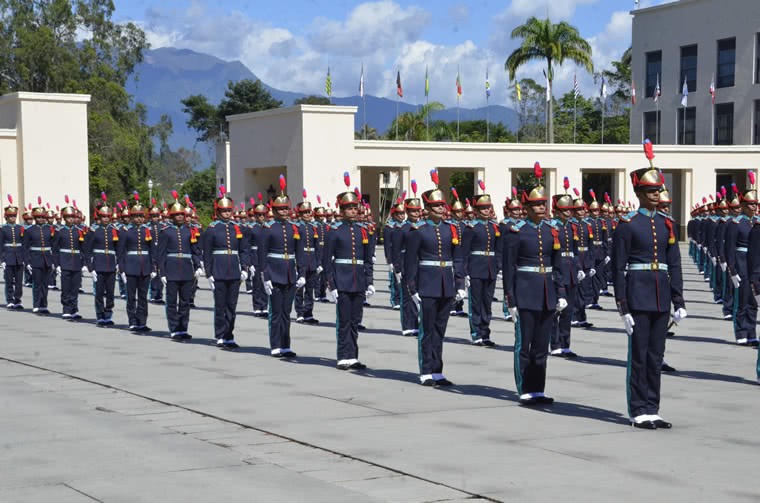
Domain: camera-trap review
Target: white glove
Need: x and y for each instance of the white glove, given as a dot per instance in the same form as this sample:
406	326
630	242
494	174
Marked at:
417	300
2	265
163	280
461	295
679	315
153	274
333	296
58	270
124	277
467	281
397	275
723	266
513	312
268	287
95	276
84	269
243	275
581	276
211	282
374	259
29	268
607	260
252	270
320	269
561	305
628	323
714	260
591	272
736	280
300	282
198	272
370	291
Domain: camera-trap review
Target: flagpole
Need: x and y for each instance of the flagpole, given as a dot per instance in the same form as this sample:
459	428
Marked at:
487	125
603	121
657	122
575	113
364	113
683	133
427	116
457	117
397	116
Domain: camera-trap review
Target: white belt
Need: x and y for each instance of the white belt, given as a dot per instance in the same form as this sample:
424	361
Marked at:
597	242
254	247
742	249
64	250
179	255
284	256
105	252
225	252
137	252
12	245
483	253
437	263
568	254
582	248
349	261
308	249
528	268
655	266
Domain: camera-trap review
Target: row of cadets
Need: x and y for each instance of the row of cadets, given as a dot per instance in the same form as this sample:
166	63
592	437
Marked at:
481	255
513	212
226	263
588	261
601	242
12	256
647	278
396	218
348	268
281	260
727	211
38	256
738	252
720	210
409	312
312	268
323	218
258	214
434	276
156	225
459	214
534	291
179	264
136	264
608	214
571	270
70	253
100	258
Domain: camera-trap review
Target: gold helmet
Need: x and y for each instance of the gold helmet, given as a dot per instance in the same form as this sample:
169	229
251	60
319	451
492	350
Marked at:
137	208
39	210
750	195
11	209
537	193
223	202
176	208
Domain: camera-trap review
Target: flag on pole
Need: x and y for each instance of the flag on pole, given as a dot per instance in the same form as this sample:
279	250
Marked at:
328	83
576	87
459	85
684	92
427	82
399	89
603	90
488	86
361	82
633	91
519	91
712	88
657	93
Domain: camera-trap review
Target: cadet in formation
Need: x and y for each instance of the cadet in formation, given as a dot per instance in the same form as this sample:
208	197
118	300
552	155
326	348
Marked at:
69	250
38	257
136	262
12	256
100	258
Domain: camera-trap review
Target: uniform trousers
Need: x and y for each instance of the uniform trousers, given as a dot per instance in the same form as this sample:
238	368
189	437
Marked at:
52	278
322	286
745	311
560	337
178	305
579	307
598	283
646	347
280	305
28	277
156	288
434	315
122	286
395	287
532	333
728	294
258	296
40	282
348	314
104	295
305	296
226	292
480	296
71	281
585	296
718	288
137	300
14	286
409	311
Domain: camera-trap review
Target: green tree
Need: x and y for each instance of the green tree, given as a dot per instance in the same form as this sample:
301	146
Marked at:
531	111
367	132
553	43
412	125
201	187
312	100
210	121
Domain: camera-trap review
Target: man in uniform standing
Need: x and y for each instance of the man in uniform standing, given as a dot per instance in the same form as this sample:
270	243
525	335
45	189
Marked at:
434	275
349	273
409	311
259	297
12	256
136	261
38	257
647	267
309	233
533	287
458	219
281	258
226	262
398	215
68	250
100	257
156	225
513	213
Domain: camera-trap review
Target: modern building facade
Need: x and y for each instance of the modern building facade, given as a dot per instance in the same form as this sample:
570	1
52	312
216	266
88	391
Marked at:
703	44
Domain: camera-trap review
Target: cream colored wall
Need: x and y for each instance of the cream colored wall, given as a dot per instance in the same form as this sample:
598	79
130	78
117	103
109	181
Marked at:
8	166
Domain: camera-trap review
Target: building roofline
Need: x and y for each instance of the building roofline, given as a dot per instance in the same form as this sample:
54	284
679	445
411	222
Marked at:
669	5
50	97
295	109
8	133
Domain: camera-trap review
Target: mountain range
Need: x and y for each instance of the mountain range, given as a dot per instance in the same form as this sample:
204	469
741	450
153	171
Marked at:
168	75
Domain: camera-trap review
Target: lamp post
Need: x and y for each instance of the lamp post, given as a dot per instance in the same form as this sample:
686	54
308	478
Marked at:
150	191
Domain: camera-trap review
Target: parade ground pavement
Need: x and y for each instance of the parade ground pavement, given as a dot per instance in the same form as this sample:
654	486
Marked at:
101	414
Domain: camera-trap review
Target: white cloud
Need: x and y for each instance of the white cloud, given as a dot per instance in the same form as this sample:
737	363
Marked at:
558	10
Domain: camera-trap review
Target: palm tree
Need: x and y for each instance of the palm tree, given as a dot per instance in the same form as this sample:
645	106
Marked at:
543	40
412	125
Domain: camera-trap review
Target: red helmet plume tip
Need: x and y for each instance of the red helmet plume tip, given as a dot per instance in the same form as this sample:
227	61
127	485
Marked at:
260	196
607	198
414	187
346	179
66	198
577	193
455	193
704	200
187	198
357	192
482	185
74	202
222	190
592	194
153	201
175	195
467	201
403	195
39	200
319	199
537	171
434	176
10	199
723	191
648	149
734	188
751	175
252	201
57	208
303	193
566	183
711	197
514	191
136	195
103	196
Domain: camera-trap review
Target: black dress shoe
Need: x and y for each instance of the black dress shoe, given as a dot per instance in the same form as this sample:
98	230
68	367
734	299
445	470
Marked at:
544	400
361	327
428	382
670	334
443	382
489	343
661	423
231	345
644	425
667	368
478	343
529	401
311	321
357	366
288	354
569	354
343	366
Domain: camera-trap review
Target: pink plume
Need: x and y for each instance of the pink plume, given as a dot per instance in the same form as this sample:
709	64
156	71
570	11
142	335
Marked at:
303	193
66	198
252	201
592	194
39	201
467	201
566	183
482	185
74	202
717	195
347	179
577	194
414	187
514	191
455	193
319	199
751	175
357	192
10	198
648	149
187	199
137	195
723	191
434	176
537	171
222	190
175	195
48	205
734	188
153	201
607	198
403	195
711	197
704	200
103	196
57	208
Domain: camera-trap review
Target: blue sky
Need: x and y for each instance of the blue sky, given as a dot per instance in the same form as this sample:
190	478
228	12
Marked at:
289	45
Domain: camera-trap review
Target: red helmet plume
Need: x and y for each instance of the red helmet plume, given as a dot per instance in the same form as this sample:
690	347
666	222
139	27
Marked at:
607	198
319	199
74	203
175	195
434	176
414	187
39	200
222	190
751	175
482	185
514	191
346	179
723	191
136	195
252	201
711	197
537	171
10	199
66	198
592	194
577	193
357	192
103	196
455	193
566	183
704	200
649	151
403	195
260	196
734	188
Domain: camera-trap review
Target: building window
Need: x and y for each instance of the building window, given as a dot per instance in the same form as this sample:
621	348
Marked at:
726	62
653	70
724	124
652	126
756	124
687	126
688	68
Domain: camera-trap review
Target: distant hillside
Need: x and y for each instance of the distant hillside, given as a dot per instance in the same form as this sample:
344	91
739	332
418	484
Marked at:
168	75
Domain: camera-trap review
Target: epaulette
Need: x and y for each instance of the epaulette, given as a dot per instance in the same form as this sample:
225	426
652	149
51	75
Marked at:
268	224
213	223
471	223
628	216
418	224
335	225
390	223
515	227
666	215
552	223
